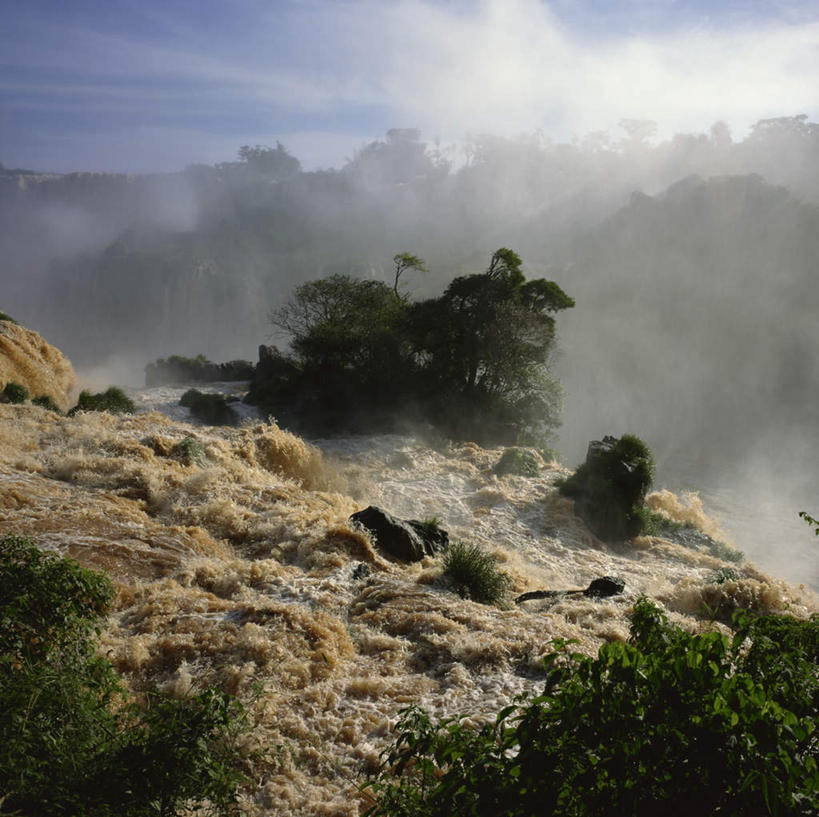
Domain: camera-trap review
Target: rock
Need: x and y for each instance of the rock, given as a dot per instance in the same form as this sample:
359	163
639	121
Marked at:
599	588
610	486
26	358
605	586
405	540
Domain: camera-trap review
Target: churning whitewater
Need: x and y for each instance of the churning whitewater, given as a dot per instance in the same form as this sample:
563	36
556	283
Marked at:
237	565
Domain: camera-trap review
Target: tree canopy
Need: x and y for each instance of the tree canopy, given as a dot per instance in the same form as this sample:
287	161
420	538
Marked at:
473	361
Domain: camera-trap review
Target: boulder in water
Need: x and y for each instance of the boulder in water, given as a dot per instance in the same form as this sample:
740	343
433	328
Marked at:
406	540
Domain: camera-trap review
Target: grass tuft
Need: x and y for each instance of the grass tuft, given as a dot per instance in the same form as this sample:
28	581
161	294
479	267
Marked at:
474	574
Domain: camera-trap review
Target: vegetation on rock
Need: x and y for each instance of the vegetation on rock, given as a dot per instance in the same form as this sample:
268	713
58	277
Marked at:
610	486
209	408
113	400
15	393
45	401
473	362
668	723
517	462
178	369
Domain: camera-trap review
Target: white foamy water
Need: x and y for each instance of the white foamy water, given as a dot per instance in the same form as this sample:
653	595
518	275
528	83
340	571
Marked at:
242	570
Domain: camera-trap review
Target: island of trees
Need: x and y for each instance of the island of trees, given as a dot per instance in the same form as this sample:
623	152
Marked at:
472	362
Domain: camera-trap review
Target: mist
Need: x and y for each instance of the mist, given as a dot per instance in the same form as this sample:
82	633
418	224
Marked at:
692	261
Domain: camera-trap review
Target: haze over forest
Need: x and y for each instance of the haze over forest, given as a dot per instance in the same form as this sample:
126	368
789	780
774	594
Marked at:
687	233
692	261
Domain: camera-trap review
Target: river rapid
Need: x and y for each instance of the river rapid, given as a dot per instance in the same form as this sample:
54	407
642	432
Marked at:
239	567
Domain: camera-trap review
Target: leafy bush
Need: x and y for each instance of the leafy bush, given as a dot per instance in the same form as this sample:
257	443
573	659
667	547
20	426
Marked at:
209	408
725	552
189	451
5	317
46	402
15	393
113	400
669	723
474	574
610	486
657	524
515	461
70	740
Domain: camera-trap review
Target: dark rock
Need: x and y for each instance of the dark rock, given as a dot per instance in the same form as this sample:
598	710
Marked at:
605	586
361	571
408	541
599	588
435	539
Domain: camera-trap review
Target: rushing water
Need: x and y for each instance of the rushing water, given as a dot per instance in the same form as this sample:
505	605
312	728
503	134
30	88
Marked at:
242	569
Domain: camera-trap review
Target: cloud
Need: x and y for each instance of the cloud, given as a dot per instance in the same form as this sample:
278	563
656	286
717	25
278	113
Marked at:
354	68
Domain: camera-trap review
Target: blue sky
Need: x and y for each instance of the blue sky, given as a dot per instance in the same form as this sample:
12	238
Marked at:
141	85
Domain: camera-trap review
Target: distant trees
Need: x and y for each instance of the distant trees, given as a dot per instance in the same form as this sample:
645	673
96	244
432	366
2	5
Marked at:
472	361
276	163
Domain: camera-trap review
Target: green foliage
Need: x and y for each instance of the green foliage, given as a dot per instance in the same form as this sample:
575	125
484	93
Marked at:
810	520
404	261
657	524
669	723
724	574
189	451
725	552
610	486
474	574
113	400
473	362
515	461
15	393
209	408
45	401
178	369
70	741
5	317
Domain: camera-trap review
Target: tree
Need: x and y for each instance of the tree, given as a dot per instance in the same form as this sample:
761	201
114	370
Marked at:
486	342
343	324
275	163
473	361
404	261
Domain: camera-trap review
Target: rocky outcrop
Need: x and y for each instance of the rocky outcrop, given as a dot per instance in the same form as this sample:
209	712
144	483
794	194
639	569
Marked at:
609	488
407	540
26	358
599	588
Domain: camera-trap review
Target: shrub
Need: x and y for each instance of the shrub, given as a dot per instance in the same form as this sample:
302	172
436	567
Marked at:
474	574
725	552
189	451
65	747
518	462
5	317
46	402
15	393
113	400
669	723
610	486
209	408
